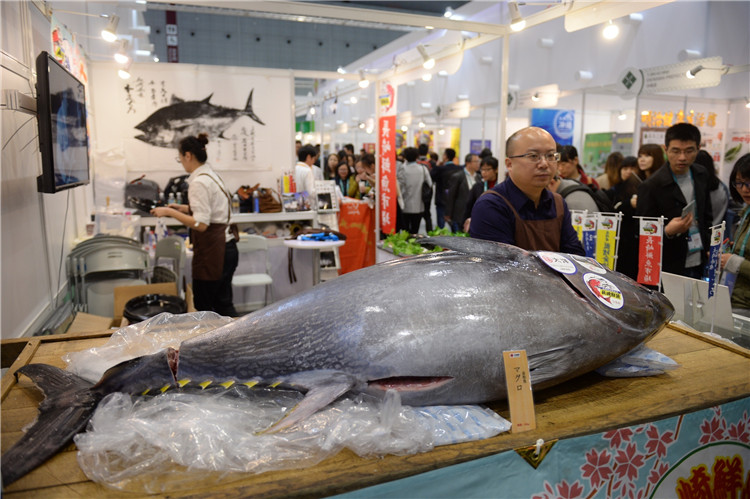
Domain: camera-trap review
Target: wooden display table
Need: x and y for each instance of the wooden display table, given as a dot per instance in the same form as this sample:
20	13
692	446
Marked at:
711	373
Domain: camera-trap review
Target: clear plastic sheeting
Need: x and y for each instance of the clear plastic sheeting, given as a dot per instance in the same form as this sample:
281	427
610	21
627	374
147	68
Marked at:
192	438
144	338
640	361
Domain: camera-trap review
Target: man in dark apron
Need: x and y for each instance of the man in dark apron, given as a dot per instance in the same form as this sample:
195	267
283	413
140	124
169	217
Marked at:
520	210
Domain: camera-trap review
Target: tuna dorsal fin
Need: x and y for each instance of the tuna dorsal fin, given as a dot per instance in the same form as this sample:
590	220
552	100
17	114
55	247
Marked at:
207	99
65	412
322	390
176	100
249	108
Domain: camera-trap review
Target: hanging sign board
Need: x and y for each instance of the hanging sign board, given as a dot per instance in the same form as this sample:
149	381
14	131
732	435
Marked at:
459	109
672	77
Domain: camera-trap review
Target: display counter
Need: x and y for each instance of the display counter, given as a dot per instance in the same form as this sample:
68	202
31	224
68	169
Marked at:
245	218
712	373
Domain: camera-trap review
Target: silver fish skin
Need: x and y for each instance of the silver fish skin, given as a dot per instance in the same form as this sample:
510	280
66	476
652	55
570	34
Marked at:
434	327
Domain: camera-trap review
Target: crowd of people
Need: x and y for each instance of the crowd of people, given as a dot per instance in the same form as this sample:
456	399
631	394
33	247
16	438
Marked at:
530	206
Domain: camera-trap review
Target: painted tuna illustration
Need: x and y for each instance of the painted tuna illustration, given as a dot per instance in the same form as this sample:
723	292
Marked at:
168	125
433	327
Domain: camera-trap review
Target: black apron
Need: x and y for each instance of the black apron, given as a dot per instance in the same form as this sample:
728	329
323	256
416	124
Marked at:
537	235
209	246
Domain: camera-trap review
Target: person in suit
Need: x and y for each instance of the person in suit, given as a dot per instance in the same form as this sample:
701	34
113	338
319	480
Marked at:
459	186
668	191
440	175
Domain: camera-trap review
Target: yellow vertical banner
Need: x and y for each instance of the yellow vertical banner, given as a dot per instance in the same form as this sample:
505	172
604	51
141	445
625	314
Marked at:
456	142
576	220
607	228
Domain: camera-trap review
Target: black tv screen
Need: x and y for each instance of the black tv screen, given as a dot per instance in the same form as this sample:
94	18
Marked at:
61	113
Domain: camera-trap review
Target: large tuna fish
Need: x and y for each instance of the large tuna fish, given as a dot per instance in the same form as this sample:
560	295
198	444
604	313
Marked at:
433	327
170	124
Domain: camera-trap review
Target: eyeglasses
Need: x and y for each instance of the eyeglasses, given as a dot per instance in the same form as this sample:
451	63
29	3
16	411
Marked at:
679	152
738	185
535	157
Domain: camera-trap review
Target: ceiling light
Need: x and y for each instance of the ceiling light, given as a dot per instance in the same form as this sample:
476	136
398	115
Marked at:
610	30
621	115
156	59
441	131
690	74
448	12
517	22
124	72
404	128
109	33
426	105
421	124
361	125
353	99
443	73
462	96
429	27
427	77
486	59
747	104
546	43
645	113
121	55
429	62
535	97
312	111
363	82
341	70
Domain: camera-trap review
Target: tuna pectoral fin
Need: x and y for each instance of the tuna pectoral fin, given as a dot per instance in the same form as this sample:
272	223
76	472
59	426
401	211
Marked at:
65	412
543	366
322	389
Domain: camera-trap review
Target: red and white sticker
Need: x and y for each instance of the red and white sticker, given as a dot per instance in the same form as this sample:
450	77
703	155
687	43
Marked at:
589	263
604	290
558	262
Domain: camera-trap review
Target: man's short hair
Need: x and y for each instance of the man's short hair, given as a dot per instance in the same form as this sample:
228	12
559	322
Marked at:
450	154
367	160
684	132
305	151
490	161
410	154
423	149
469	157
433	156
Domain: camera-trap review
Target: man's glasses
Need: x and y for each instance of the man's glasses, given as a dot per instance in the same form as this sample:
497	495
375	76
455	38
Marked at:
678	152
738	185
535	157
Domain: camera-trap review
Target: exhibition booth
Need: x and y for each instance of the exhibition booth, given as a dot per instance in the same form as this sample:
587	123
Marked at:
663	435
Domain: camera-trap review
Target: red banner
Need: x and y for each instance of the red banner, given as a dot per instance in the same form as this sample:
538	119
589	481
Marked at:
387	173
649	252
358	224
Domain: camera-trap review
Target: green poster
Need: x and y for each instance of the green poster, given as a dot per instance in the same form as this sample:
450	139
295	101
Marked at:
596	148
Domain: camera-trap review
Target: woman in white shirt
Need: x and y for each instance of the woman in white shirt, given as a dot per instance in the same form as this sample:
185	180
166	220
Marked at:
215	254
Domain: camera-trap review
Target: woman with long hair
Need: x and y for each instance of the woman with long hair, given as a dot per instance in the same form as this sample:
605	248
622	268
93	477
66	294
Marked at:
650	159
736	262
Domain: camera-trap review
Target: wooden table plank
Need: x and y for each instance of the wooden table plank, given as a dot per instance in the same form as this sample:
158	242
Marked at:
585	405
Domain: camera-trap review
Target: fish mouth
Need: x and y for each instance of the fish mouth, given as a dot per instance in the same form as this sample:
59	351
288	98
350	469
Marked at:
409	383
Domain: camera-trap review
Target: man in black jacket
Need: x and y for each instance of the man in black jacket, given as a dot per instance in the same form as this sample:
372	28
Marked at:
680	183
459	185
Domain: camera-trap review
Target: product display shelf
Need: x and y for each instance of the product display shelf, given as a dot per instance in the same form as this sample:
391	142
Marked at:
712	372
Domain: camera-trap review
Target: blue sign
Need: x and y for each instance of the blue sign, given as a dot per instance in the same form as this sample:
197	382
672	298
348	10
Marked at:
558	122
476	146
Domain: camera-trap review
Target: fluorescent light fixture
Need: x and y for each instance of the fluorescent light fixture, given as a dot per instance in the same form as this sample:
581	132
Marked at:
690	74
426	105
363	82
427	77
429	62
109	33
341	70
121	55
610	30
517	22
124	72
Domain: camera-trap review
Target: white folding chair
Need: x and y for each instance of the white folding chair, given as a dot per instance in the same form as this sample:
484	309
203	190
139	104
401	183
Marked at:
255	244
172	248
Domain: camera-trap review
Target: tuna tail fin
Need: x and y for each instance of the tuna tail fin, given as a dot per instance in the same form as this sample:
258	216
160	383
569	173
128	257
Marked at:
323	388
249	108
68	405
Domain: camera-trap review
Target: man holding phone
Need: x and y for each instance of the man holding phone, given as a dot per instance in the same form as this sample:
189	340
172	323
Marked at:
679	192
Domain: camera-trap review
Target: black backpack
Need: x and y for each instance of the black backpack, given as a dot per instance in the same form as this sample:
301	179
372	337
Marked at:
142	194
603	203
175	185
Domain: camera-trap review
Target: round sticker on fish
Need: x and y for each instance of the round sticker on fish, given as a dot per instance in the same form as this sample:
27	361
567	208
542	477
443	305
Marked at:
590	264
558	262
604	290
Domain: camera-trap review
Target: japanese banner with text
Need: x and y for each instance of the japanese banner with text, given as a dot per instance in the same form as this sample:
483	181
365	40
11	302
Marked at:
650	232
387	174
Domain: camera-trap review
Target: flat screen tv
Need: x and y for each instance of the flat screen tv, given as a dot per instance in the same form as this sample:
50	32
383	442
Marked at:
61	113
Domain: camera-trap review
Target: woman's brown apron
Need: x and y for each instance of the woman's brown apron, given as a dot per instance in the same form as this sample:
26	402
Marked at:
209	246
538	235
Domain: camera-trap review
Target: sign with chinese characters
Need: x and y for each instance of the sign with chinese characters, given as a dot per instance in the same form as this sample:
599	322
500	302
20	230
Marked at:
650	232
588	232
717	235
520	396
607	230
576	220
173	54
558	122
387	173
